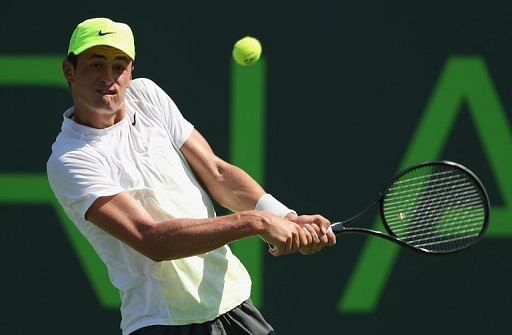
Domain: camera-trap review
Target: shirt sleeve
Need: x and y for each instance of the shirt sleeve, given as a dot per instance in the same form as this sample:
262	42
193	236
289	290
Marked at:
77	180
176	125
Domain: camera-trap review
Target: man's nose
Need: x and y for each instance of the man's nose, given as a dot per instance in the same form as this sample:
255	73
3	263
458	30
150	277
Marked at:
107	75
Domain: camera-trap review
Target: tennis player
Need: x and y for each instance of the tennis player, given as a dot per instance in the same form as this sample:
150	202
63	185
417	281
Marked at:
136	178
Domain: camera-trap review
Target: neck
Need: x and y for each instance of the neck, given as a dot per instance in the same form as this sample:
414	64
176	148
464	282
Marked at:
97	119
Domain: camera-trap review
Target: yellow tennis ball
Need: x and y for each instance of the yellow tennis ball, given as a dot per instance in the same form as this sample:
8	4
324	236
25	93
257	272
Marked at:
247	51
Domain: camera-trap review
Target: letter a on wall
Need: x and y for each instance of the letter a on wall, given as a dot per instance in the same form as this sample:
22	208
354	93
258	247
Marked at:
463	80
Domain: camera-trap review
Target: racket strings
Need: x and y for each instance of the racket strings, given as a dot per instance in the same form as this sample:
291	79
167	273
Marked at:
401	213
465	230
472	228
412	185
405	228
447	195
433	188
443	243
470	198
439	210
448	190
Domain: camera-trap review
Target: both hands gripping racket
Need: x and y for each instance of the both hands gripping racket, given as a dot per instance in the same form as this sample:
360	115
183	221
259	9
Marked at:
436	207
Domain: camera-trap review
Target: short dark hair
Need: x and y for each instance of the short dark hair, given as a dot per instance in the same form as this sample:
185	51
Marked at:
72	58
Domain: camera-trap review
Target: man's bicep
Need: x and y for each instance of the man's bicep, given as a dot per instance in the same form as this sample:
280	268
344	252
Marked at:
121	216
229	185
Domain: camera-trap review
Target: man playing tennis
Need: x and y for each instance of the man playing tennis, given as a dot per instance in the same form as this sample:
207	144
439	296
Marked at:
129	170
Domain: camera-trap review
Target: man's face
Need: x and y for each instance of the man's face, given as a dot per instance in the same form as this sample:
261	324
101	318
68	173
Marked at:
100	79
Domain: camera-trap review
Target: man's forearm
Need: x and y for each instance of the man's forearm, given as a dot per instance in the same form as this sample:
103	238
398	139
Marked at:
178	238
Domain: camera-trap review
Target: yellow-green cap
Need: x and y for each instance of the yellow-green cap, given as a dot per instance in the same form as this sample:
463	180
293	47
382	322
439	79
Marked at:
102	31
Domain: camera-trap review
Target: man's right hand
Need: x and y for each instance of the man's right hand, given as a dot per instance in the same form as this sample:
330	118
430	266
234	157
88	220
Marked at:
284	236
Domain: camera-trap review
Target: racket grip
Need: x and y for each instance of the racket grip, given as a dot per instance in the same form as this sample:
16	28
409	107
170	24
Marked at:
336	227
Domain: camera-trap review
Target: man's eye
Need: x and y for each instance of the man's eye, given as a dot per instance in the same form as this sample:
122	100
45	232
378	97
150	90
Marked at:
119	68
96	65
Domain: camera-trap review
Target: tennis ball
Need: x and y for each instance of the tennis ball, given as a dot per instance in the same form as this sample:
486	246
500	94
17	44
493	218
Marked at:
247	51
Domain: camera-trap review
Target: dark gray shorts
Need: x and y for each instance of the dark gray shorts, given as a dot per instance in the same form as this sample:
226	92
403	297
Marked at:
242	320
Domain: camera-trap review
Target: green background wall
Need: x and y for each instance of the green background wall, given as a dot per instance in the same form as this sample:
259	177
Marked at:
353	91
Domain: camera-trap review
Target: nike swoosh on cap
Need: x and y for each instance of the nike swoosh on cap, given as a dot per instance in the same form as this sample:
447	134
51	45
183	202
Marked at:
101	33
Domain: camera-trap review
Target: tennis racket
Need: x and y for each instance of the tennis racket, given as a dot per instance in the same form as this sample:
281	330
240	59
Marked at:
435	207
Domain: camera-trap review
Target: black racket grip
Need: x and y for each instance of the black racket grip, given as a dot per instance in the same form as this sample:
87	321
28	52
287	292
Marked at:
336	227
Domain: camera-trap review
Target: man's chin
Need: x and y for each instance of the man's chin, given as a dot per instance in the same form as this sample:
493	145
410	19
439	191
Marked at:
106	109
103	112
107	106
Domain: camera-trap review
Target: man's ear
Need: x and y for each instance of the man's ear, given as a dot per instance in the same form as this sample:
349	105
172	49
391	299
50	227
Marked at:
131	74
69	71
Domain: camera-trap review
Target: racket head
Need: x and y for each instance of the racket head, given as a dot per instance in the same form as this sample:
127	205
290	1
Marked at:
436	207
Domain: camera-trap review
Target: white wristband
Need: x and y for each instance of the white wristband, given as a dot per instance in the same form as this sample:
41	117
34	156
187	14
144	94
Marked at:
267	203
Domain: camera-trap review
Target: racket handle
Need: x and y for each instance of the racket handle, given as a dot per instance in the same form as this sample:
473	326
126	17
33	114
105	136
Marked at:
336	227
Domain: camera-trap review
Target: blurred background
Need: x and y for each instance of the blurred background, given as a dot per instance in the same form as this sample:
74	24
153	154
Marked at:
347	93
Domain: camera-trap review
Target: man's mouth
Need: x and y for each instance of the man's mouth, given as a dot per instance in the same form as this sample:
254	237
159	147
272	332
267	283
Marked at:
106	92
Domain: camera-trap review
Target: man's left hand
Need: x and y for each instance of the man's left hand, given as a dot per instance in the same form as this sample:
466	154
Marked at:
319	229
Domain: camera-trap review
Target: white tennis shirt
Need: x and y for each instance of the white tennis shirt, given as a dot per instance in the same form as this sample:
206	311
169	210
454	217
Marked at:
144	159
